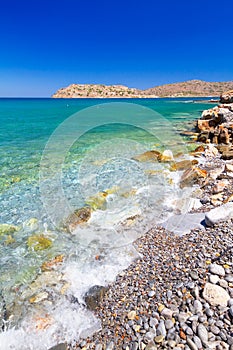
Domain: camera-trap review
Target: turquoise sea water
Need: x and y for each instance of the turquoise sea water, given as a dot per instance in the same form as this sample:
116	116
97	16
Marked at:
60	155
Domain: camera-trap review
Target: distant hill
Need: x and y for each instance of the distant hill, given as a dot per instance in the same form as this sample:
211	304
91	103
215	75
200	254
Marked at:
189	88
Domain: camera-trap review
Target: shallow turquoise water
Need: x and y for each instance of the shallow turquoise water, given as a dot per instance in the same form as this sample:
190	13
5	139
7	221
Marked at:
26	125
54	156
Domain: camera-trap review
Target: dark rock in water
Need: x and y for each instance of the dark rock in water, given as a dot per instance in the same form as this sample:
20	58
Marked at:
94	296
79	216
62	346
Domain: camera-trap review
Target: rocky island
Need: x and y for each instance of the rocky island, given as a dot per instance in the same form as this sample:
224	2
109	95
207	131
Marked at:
191	88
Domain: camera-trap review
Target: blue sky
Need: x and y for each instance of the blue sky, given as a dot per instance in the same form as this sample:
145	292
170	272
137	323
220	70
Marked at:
47	44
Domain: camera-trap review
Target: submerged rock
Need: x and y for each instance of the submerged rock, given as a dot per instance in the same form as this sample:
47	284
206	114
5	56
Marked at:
51	264
98	201
6	229
94	296
78	217
149	156
39	242
31	224
183	165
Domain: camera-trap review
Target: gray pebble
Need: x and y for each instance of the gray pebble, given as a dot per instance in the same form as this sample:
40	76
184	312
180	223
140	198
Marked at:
197	341
229	278
168	324
223	283
223	335
161	330
191	285
194	275
153	322
219	324
98	347
167	313
213	279
197	305
211	321
189	331
135	346
202	333
209	312
217	270
149	336
151	293
110	346
191	344
231	311
215	330
202	318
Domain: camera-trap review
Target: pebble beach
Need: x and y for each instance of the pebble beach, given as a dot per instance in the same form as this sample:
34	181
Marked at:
179	293
160	301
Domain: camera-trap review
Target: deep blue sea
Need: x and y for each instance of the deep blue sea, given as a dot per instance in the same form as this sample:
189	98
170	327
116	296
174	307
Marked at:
59	155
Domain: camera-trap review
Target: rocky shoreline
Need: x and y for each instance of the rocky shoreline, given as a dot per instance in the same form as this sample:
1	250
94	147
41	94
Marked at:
179	294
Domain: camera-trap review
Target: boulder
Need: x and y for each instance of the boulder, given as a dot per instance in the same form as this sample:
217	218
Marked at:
184	223
94	296
192	176
61	346
166	156
149	156
215	295
227	97
183	165
222	213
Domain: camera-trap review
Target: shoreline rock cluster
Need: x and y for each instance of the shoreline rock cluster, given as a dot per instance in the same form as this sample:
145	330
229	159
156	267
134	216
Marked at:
216	125
179	294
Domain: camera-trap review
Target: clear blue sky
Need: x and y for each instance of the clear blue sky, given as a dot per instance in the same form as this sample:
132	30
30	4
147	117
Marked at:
47	44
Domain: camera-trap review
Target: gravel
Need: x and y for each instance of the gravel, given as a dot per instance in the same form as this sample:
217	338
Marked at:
173	314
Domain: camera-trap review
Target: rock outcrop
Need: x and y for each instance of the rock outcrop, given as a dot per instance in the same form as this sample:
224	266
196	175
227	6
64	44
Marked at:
216	126
227	97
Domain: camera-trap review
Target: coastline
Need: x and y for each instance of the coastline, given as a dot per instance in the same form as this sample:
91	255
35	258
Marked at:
179	294
195	172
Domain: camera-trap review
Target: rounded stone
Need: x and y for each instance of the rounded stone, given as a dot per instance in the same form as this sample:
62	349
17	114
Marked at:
159	339
202	333
217	270
213	279
168	324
